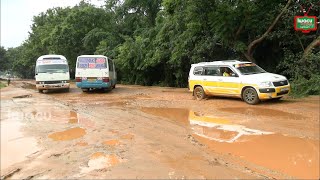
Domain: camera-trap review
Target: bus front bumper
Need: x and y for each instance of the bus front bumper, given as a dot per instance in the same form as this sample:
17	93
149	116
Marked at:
53	86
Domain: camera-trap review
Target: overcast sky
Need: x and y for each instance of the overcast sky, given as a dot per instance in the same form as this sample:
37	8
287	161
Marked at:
16	17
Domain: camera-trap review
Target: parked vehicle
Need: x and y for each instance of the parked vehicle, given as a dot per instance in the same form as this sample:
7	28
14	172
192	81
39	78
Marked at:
235	78
52	72
95	72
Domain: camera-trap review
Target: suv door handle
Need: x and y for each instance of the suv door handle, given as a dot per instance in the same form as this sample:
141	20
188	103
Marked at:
220	79
204	79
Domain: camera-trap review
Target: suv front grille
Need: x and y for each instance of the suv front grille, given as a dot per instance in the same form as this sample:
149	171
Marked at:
280	83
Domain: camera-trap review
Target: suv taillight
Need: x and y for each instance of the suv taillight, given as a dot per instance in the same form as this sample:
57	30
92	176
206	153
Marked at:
78	79
105	79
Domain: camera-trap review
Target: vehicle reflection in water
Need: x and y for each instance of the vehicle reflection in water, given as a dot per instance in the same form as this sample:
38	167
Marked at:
293	156
297	157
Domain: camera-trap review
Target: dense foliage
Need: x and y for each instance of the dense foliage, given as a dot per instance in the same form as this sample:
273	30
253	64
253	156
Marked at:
153	42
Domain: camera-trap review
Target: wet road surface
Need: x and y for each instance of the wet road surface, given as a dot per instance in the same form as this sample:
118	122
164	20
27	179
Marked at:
153	132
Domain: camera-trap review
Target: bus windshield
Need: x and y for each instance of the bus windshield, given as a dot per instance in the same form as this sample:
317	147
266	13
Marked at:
249	68
53	68
92	63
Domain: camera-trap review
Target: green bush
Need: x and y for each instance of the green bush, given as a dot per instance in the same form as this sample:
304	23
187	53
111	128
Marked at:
2	85
302	87
303	73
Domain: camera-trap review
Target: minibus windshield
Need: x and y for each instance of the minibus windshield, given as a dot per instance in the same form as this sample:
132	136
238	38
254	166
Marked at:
53	68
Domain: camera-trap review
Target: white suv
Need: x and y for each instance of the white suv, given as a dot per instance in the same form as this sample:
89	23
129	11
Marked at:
236	78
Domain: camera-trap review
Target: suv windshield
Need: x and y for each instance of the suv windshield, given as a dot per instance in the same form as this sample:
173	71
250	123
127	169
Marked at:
53	68
249	68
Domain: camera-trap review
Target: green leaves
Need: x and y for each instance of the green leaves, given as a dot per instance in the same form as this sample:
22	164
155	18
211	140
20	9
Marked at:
155	42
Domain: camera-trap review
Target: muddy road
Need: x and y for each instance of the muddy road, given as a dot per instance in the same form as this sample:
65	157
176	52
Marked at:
154	132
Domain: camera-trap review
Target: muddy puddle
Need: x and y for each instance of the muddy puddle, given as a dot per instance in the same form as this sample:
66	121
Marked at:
111	143
15	146
296	157
100	160
262	112
176	114
69	134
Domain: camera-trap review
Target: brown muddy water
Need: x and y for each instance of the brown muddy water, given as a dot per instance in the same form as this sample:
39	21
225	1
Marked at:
294	156
15	146
69	134
100	160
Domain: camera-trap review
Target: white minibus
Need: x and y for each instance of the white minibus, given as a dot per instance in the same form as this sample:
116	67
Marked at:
52	72
95	72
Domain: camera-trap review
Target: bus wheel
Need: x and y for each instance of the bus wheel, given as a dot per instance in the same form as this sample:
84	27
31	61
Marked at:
40	90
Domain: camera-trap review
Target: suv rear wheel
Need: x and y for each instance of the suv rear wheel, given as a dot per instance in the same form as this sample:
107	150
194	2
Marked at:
250	96
199	93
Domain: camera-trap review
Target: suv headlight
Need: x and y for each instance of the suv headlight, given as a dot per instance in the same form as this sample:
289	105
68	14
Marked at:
265	84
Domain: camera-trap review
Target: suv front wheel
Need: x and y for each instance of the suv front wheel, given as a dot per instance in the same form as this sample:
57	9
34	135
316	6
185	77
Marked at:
199	93
250	96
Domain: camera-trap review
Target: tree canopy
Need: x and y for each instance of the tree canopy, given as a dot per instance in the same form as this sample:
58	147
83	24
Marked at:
154	42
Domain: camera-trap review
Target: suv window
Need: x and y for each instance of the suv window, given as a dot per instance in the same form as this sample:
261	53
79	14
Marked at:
198	70
226	71
211	71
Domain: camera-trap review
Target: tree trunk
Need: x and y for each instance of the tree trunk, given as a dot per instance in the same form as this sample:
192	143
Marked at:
313	44
253	44
249	58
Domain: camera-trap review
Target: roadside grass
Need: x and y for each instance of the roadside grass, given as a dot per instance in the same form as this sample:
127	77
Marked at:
2	84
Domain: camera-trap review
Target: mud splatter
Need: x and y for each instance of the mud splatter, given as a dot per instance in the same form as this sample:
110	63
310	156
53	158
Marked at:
113	131
73	117
127	136
99	160
81	143
67	135
112	142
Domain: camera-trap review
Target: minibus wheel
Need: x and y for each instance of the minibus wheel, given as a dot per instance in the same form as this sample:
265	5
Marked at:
199	93
250	96
40	90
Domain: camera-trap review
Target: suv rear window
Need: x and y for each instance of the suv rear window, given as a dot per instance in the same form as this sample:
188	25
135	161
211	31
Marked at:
198	70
